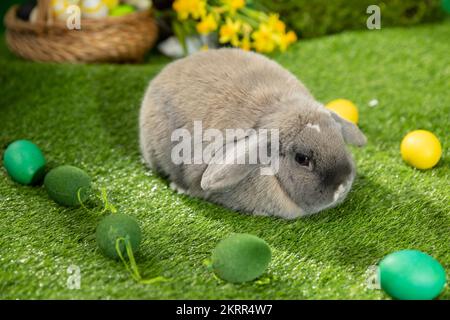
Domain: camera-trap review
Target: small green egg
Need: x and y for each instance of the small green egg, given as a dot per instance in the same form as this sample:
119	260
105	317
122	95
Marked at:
114	226
122	10
411	275
63	184
240	258
24	162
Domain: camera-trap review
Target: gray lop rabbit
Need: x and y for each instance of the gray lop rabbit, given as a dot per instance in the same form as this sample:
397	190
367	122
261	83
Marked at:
230	89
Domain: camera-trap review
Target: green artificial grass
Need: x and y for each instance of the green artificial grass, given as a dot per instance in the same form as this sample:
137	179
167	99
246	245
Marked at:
86	115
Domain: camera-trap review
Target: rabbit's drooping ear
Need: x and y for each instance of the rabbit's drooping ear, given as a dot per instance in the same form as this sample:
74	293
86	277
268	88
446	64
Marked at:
350	131
229	165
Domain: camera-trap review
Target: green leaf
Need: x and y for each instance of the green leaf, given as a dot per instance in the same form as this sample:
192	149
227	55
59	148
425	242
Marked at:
180	34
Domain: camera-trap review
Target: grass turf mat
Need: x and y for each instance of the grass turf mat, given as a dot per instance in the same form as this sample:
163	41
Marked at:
86	115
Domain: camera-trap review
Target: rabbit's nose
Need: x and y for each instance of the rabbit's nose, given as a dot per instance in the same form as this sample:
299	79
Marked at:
337	176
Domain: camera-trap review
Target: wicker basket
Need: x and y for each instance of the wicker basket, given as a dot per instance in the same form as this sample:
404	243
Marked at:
112	39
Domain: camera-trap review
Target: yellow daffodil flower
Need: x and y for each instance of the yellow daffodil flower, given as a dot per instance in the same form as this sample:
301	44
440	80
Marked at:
286	39
245	44
207	24
233	5
276	24
193	8
237	25
264	39
229	32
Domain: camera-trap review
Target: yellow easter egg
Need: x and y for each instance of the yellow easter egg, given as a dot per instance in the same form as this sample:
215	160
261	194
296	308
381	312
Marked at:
345	109
94	9
111	4
421	149
59	8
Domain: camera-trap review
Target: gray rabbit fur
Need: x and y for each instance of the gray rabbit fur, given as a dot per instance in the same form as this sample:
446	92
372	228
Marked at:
231	88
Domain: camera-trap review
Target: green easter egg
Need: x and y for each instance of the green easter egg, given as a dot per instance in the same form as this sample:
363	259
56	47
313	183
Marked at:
122	10
63	184
411	275
116	226
240	258
24	162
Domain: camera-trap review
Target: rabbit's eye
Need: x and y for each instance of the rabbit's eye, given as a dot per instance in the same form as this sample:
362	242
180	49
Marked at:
302	159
